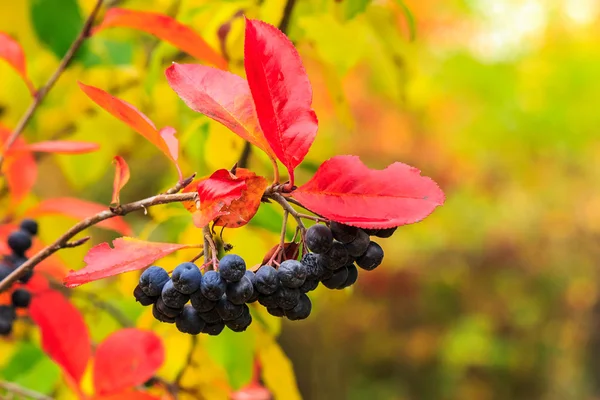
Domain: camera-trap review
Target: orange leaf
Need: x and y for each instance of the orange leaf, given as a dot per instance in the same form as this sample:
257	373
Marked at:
126	395
78	209
127	358
57	146
65	337
165	28
163	139
19	169
241	211
121	178
128	254
12	53
215	194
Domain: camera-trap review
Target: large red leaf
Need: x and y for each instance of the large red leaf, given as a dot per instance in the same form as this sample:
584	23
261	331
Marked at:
165	28
127	358
241	210
220	95
345	190
12	53
163	139
281	91
20	169
216	193
128	254
121	178
127	395
79	209
65	337
57	146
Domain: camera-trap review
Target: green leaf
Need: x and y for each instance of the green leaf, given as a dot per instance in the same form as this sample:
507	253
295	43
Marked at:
31	368
354	7
56	24
235	353
26	356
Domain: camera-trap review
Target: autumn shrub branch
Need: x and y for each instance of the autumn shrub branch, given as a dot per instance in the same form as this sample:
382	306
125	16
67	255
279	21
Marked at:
43	91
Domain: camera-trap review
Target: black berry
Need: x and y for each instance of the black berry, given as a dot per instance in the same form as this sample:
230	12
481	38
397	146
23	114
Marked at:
266	280
213	286
227	310
214	329
359	245
189	321
164	309
286	298
314	266
318	238
158	315
21	298
30	226
291	273
142	297
232	267
309	285
186	278
172	297
153	279
371	258
343	233
211	317
268	300
276	311
7	313
26	277
201	303
5	327
19	242
336	257
338	279
386	233
242	322
241	291
301	310
5	270
371	231
352	276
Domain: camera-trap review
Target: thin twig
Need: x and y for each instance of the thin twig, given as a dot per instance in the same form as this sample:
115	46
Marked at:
43	91
181	185
123	209
286	206
206	250
313	218
76	243
20	391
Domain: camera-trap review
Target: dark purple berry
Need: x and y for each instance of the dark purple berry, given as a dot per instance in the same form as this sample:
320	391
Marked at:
371	258
336	257
309	286
318	238
5	270
291	273
21	298
7	313
276	311
371	231
242	322
343	233
240	292
268	300
266	280
359	245
153	279
386	233
170	312
229	311
201	303
301	310
214	329
338	279
232	267
172	297
30	226
159	316
5	327
19	242
314	266
142	297
352	276
189	321
213	286
186	278
211	317
286	298
26	276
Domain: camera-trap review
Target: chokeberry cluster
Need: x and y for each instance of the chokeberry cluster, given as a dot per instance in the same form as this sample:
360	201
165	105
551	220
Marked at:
19	242
207	303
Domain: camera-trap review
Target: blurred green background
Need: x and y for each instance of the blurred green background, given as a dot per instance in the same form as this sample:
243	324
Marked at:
494	296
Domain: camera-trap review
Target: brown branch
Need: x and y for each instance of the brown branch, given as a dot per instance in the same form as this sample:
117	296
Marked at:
62	241
287	207
14	389
43	91
76	243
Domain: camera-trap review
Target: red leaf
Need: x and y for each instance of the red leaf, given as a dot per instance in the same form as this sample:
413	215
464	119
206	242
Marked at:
79	209
345	190
128	254
220	95
12	53
57	146
281	91
137	121
241	210
121	178
128	396
65	337
215	193
19	169
127	358
291	252
165	28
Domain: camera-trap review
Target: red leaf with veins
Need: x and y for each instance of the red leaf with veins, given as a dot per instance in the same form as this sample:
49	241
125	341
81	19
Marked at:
165	28
57	146
128	254
65	337
12	53
215	194
78	209
241	211
345	190
281	91
127	358
163	139
121	178
220	95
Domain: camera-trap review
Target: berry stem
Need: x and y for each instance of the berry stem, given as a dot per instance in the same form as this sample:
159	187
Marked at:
287	207
210	249
312	217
